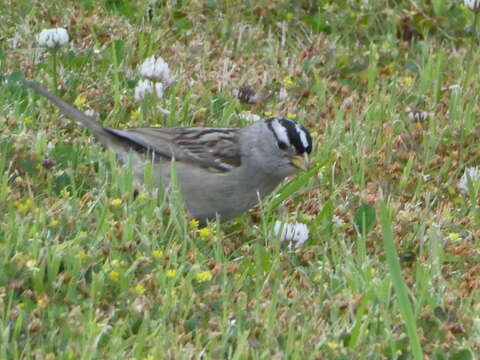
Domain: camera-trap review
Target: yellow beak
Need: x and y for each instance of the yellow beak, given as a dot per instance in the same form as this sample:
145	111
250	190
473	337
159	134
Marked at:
300	162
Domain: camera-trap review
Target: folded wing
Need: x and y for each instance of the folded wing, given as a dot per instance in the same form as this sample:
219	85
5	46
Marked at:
215	149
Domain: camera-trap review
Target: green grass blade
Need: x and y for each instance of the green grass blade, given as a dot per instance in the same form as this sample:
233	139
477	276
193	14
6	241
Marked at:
293	186
356	331
399	285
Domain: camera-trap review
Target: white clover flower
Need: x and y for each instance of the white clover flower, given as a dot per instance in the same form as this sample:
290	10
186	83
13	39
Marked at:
473	5
296	234
249	117
282	94
146	87
52	38
472	173
156	70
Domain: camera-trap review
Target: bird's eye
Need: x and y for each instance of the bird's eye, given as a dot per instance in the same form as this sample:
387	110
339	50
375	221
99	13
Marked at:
282	145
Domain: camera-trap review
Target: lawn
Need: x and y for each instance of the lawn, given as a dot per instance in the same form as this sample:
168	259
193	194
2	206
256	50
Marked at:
93	266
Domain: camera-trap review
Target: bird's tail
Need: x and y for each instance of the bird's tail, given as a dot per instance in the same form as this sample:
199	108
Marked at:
95	127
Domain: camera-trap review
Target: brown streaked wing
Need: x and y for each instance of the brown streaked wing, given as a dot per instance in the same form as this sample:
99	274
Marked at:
216	149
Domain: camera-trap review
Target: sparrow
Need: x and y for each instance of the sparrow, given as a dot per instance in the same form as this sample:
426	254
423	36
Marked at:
221	172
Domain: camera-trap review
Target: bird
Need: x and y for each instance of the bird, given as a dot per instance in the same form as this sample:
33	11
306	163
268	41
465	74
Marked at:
221	172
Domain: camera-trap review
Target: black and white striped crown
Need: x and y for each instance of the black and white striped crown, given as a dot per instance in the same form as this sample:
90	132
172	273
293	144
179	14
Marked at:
289	133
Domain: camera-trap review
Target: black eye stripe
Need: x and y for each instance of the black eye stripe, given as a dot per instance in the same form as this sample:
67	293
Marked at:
298	136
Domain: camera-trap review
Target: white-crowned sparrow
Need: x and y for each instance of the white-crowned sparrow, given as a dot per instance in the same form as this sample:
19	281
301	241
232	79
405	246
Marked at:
220	171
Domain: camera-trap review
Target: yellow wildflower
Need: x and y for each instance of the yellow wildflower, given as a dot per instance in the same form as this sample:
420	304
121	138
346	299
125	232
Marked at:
287	81
171	273
157	254
116	202
194	223
204	233
25	205
202	110
139	289
406	80
27	120
114	276
203	276
292	116
82	255
267	113
79	101
454	236
53	222
64	193
136	115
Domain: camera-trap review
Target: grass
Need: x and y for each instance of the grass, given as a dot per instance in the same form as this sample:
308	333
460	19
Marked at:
89	270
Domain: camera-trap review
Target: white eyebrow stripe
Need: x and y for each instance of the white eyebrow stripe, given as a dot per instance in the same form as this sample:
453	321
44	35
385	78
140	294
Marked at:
280	131
303	136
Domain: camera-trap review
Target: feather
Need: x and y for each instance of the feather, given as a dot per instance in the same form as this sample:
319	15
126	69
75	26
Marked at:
215	149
